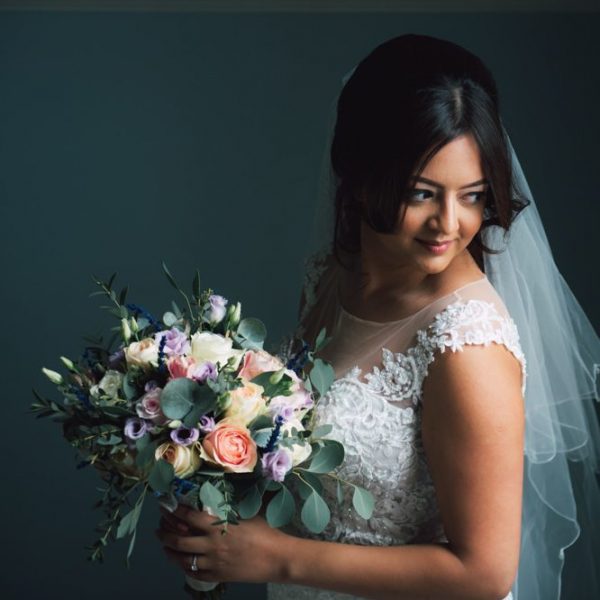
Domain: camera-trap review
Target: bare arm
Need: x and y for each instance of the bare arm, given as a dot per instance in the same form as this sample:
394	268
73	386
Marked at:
473	434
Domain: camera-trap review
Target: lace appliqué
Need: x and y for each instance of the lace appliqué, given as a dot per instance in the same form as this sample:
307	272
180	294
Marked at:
461	323
315	265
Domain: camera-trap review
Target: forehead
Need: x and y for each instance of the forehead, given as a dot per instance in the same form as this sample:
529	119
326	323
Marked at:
456	163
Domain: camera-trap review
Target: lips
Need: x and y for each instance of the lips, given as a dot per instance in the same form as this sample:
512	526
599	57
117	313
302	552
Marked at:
436	247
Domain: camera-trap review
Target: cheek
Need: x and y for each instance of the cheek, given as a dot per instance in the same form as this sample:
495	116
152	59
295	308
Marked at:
471	223
410	221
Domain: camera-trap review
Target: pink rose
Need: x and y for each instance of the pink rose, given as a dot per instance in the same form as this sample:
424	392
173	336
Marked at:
230	446
179	366
257	362
148	407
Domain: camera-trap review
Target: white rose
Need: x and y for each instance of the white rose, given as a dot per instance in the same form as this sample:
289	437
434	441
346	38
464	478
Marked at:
215	348
300	452
109	384
142	353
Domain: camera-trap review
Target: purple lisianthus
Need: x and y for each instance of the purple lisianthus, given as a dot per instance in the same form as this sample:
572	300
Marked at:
135	428
203	371
206	423
281	406
116	359
185	436
276	464
150	385
216	312
176	342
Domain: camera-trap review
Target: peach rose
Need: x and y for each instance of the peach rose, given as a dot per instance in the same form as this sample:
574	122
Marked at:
257	362
247	403
230	446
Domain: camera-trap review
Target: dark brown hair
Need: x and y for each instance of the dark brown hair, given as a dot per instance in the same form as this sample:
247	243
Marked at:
407	99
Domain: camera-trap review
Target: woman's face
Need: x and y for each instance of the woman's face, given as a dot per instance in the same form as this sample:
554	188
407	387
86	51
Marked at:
444	207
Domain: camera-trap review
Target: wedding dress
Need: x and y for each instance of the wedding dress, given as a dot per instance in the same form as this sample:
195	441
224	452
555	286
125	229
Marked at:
374	406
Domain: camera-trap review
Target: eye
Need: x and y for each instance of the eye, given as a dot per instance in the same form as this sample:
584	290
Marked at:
416	195
475	197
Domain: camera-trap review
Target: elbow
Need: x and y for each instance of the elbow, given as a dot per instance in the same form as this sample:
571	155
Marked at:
493	586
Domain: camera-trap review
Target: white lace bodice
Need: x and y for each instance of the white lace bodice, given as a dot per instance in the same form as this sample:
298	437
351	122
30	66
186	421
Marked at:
375	413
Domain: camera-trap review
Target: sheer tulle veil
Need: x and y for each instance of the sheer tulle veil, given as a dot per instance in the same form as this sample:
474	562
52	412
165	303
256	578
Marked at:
561	496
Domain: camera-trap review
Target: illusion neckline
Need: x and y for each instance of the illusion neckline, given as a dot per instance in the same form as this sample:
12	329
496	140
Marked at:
408	317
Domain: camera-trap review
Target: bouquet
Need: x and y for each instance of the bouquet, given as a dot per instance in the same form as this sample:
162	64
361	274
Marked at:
192	409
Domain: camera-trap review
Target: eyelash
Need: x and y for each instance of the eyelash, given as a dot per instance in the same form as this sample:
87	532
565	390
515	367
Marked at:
414	192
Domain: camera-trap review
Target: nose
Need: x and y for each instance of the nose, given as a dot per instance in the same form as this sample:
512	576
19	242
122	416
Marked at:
445	218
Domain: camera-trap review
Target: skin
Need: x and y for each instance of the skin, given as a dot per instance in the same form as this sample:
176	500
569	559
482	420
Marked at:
472	429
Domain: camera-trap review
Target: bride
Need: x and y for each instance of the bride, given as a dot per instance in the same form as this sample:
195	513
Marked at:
464	365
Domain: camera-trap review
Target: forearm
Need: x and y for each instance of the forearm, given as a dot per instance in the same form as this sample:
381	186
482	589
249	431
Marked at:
410	572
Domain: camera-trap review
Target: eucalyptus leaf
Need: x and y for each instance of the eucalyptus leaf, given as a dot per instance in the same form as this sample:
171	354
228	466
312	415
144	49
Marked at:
169	276
315	513
169	319
181	394
260	422
146	455
128	386
328	458
250	503
161	476
111	441
196	285
320	339
126	525
281	508
210	496
322	376
322	430
363	502
253	330
262	436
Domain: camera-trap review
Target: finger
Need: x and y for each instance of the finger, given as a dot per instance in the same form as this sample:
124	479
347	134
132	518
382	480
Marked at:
188	543
185	561
174	523
200	520
171	527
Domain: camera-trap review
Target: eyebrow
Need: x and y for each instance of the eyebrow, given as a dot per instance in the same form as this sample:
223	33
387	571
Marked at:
439	185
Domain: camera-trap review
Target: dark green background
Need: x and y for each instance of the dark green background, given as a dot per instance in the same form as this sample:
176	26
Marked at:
128	138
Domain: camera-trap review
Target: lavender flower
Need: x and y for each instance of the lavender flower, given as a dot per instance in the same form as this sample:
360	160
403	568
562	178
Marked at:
176	342
185	436
276	464
216	312
206	424
203	371
135	428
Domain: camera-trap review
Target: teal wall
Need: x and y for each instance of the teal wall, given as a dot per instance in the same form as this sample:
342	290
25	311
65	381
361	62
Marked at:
126	139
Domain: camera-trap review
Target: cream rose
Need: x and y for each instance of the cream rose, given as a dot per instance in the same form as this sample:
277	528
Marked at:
230	446
142	353
247	403
185	459
257	362
215	348
109	384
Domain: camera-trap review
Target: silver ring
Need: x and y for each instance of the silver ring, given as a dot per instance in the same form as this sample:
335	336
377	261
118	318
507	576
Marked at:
194	565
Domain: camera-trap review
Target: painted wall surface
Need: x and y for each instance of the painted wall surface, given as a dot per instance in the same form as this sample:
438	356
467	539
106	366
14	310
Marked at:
129	138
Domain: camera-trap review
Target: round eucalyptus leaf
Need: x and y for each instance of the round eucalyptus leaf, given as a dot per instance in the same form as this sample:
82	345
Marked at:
281	508
315	513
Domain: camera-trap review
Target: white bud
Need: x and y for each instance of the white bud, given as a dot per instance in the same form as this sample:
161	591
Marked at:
68	363
133	324
125	329
53	376
175	423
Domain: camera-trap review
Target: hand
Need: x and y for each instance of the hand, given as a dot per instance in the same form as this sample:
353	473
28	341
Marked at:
249	552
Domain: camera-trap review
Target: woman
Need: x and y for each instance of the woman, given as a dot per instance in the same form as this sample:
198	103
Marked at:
430	372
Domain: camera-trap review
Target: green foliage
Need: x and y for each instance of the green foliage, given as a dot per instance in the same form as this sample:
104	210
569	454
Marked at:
281	508
315	513
363	502
251	333
161	476
330	456
322	376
